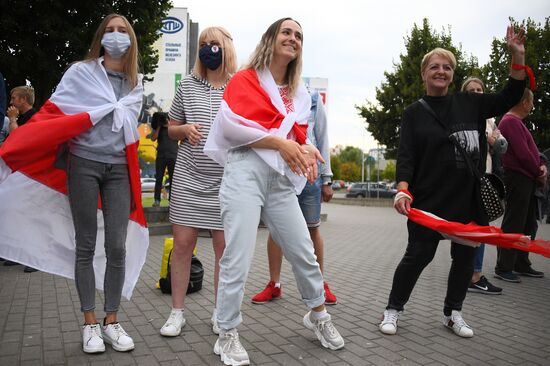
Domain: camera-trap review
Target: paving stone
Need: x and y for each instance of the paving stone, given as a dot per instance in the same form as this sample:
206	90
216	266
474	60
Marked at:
40	315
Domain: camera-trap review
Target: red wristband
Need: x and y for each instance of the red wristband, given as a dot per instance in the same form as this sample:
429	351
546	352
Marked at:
530	74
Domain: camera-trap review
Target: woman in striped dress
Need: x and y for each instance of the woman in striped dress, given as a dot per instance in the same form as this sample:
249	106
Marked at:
194	202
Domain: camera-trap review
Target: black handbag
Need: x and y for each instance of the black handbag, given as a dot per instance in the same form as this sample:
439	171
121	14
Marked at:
491	189
195	276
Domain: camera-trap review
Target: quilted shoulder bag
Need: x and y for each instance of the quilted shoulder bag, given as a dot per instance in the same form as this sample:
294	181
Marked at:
491	189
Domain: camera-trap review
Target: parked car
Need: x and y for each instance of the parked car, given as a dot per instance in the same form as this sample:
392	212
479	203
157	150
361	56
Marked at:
338	184
371	190
147	184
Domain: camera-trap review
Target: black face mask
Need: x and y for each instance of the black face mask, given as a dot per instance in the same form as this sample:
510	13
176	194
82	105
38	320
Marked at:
211	56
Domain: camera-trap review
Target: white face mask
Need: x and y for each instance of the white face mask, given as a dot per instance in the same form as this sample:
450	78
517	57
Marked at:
116	44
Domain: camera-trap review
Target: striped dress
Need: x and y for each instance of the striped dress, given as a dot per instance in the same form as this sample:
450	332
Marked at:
194	199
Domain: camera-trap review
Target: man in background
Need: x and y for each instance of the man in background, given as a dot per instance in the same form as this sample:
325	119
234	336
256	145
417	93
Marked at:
524	170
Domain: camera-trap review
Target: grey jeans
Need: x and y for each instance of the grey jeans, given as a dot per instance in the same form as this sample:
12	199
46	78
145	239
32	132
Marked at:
88	180
251	190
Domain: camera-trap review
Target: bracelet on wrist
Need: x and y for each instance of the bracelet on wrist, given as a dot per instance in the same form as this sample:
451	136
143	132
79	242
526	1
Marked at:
530	74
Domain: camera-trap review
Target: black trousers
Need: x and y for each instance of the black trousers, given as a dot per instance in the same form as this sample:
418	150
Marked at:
519	217
160	167
417	256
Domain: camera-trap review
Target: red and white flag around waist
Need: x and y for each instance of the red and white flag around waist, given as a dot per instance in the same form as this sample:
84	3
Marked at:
473	234
36	227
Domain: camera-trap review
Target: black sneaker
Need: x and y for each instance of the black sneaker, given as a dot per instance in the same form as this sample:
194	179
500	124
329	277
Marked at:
531	273
483	286
507	276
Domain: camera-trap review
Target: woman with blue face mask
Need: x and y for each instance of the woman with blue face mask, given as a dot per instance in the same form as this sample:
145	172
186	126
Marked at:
194	202
85	172
98	165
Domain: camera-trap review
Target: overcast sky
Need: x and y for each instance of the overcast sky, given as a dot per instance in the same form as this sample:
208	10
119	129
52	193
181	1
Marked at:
352	42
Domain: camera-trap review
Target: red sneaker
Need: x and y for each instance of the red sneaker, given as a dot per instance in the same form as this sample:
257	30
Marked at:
269	293
330	298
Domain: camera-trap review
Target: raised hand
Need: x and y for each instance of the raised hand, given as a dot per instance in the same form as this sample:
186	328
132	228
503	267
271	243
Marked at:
515	41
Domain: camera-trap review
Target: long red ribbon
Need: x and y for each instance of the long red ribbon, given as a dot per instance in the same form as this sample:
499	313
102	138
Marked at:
530	74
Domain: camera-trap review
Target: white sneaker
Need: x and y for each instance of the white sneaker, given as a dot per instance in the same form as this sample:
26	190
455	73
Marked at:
173	325
117	337
229	348
389	323
92	341
214	322
458	325
325	331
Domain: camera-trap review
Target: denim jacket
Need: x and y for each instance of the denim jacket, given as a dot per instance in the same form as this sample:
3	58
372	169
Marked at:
317	133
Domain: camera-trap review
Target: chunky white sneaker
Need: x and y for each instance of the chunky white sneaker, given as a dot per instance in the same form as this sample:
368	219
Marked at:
92	341
389	323
117	337
458	325
214	322
173	325
325	331
229	348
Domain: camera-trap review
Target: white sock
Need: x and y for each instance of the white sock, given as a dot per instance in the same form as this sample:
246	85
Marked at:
174	309
277	285
318	314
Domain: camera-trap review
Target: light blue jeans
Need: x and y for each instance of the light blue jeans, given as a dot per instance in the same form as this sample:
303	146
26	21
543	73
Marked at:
252	190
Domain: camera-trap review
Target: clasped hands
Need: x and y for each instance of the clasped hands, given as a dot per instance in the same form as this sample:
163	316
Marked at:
302	159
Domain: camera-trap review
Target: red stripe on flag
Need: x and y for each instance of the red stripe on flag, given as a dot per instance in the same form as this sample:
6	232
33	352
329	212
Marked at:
136	214
34	147
246	97
480	234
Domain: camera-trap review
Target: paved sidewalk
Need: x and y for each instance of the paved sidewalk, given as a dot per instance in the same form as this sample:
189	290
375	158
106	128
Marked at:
40	316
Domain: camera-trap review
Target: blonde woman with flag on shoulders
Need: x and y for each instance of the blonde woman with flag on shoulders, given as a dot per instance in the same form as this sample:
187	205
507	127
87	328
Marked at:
259	135
94	112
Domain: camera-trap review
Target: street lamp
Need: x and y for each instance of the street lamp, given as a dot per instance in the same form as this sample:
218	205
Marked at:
378	169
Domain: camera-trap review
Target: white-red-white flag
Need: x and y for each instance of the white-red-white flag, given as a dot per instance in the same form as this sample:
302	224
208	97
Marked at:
36	227
474	234
252	108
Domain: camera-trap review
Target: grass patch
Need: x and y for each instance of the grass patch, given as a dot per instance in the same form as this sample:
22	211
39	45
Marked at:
148	202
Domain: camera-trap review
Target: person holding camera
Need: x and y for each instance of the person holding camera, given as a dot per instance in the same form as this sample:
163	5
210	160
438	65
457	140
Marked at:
167	150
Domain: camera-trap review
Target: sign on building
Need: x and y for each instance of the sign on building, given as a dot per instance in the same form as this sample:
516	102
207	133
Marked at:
173	65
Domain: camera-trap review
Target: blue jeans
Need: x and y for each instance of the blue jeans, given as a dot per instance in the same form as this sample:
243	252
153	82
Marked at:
87	180
478	259
251	190
310	203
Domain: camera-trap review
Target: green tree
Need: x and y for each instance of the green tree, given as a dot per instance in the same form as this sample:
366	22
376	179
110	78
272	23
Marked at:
404	84
39	39
351	154
537	56
350	172
335	165
389	171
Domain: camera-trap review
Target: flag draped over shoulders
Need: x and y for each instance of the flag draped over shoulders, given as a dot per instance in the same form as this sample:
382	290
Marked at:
36	227
252	108
473	234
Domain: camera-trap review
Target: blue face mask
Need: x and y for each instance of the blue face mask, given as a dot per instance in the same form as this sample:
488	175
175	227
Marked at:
116	44
211	56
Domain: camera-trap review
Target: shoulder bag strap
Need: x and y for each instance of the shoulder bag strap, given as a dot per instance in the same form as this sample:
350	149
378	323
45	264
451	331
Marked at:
469	161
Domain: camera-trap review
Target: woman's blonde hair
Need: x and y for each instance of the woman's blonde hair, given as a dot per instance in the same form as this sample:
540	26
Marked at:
470	80
130	58
229	56
439	52
263	55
